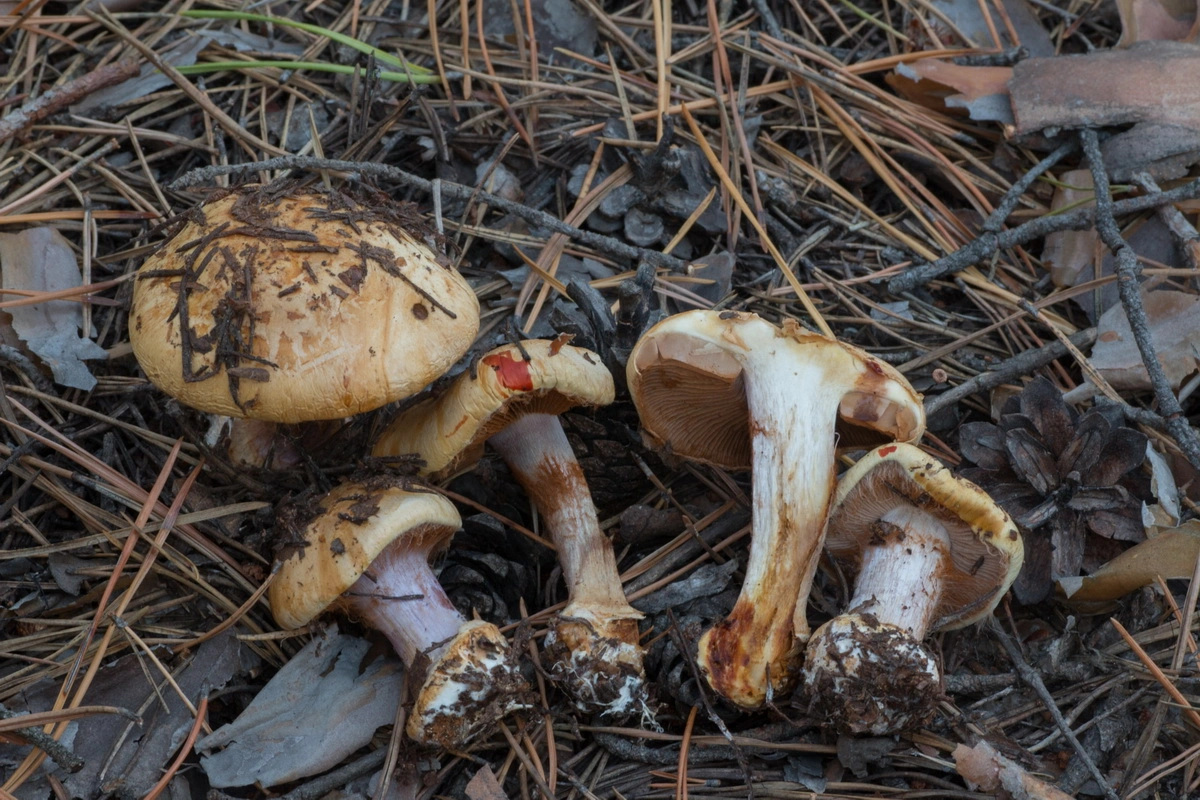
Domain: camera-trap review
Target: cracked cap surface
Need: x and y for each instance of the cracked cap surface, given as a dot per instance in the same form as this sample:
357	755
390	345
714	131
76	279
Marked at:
292	306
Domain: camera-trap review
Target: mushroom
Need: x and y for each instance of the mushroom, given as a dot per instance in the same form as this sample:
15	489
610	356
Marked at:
366	553
731	389
291	305
933	553
512	402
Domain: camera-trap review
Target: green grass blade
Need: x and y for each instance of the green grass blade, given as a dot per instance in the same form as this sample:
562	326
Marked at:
340	38
206	67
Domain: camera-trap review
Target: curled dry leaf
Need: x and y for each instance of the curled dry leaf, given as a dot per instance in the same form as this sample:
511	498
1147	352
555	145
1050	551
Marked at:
1169	554
1175	328
484	786
1074	257
1165	151
981	22
984	767
318	709
944	85
41	260
1068	253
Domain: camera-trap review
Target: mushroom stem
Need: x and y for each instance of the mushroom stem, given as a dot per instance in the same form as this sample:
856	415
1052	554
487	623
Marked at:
538	453
400	597
900	582
257	443
752	652
594	640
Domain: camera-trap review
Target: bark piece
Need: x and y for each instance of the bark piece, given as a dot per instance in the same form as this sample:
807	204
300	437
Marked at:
1152	81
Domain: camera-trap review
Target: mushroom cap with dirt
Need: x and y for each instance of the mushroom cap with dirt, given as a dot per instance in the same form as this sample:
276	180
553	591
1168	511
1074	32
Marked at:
932	552
366	553
733	390
512	401
292	305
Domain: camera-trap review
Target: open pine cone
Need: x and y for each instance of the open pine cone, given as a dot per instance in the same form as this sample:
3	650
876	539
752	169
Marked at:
1059	474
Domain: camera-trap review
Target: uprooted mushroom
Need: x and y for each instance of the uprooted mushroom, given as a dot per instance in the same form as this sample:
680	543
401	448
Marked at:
366	553
933	552
512	402
278	304
733	390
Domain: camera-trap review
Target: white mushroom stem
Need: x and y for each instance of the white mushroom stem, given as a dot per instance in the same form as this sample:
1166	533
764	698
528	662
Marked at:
401	597
541	459
793	409
900	582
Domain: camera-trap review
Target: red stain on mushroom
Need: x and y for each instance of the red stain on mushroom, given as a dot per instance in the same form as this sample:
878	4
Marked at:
512	373
887	451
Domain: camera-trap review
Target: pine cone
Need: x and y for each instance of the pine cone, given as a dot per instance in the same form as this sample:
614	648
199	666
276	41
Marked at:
1059	474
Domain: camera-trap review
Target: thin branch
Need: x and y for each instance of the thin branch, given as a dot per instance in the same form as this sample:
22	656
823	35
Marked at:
60	97
357	170
1031	677
1008	370
1128	269
43	741
990	243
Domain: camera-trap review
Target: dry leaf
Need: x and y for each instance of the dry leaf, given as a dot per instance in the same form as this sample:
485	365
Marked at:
317	710
41	260
1171	554
1175	329
967	16
1163	485
1150	81
943	85
115	751
183	53
1145	20
1068	253
983	767
484	786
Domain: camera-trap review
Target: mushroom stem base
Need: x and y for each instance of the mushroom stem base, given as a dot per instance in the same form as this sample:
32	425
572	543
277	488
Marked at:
473	685
868	677
594	644
599	663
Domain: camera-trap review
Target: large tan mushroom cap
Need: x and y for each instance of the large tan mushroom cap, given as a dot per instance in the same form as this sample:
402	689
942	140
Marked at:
986	551
293	307
449	432
685	376
355	524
